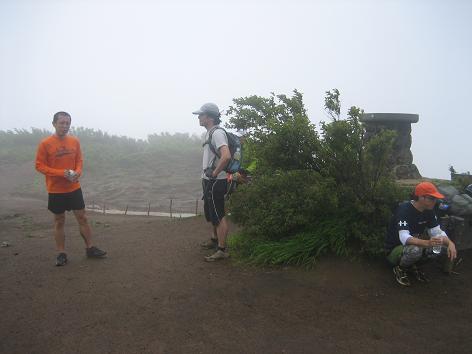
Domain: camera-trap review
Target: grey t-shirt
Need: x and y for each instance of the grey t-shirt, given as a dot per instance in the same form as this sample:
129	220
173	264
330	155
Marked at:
218	139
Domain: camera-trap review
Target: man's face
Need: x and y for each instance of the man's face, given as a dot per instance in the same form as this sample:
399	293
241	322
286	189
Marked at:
62	126
203	119
429	202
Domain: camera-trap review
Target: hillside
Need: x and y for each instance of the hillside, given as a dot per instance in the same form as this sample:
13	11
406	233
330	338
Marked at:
118	171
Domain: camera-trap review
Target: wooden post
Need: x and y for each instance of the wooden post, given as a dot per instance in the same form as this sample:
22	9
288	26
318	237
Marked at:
126	209
104	207
170	209
196	207
149	208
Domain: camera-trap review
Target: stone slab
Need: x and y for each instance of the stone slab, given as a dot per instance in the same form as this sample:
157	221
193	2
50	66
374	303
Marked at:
389	117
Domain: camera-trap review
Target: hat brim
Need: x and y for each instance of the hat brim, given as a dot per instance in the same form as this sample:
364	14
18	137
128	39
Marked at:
437	195
198	112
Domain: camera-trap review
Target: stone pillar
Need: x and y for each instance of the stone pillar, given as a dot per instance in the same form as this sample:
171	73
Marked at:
402	158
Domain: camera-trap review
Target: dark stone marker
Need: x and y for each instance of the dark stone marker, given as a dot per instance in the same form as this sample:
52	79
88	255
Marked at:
402	159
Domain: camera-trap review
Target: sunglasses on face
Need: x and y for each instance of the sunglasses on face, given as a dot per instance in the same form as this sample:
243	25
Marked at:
430	198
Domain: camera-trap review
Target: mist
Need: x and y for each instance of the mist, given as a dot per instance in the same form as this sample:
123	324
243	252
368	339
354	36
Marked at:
140	67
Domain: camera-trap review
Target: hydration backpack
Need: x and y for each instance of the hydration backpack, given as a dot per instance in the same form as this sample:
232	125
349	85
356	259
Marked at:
235	150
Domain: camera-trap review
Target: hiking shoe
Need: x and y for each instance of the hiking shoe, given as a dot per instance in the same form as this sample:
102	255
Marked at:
61	259
419	274
449	267
217	256
210	244
401	276
94	252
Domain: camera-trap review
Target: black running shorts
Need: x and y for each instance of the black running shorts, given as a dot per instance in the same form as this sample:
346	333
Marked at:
58	203
214	199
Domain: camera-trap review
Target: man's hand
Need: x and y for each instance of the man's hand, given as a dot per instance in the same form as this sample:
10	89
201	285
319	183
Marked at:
71	175
210	173
75	177
451	251
436	241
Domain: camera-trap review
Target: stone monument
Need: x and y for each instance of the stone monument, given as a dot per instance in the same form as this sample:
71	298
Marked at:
402	159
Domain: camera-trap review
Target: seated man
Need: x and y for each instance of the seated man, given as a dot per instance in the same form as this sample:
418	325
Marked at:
403	245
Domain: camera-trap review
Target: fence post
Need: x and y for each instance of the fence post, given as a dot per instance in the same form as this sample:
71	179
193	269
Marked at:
126	209
149	208
170	209
196	207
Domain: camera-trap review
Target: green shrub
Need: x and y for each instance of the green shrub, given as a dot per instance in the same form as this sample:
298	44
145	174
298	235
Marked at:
303	249
280	205
311	193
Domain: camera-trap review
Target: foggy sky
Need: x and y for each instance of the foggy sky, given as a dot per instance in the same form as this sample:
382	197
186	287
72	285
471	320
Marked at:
139	67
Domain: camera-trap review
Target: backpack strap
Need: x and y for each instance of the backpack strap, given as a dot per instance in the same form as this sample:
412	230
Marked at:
208	141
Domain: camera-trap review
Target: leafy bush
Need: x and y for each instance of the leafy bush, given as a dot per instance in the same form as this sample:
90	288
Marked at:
279	205
312	194
278	132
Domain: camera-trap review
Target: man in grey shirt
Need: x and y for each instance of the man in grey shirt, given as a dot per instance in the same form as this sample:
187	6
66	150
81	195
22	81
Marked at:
216	156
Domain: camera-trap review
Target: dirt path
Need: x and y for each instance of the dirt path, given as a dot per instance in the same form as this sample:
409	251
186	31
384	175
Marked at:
154	294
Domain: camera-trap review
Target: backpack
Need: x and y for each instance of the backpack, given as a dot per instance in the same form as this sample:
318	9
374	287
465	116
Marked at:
235	150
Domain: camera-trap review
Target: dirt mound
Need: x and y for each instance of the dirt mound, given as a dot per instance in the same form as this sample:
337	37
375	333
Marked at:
154	294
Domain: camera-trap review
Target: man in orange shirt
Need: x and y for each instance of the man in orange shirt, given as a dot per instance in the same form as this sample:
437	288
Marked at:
59	158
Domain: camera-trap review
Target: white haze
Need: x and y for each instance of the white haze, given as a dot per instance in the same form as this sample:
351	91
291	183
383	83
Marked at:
139	67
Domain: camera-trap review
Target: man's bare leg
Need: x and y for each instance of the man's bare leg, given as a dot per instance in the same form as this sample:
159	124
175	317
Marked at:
222	232
59	235
215	233
84	227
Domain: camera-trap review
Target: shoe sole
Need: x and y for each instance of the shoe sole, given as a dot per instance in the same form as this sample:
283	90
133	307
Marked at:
208	247
208	259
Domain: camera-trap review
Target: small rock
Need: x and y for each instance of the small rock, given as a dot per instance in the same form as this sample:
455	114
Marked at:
4	244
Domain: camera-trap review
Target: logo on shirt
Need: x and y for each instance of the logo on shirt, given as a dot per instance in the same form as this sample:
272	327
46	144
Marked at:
63	151
403	223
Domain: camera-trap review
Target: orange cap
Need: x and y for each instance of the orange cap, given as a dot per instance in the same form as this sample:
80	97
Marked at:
427	188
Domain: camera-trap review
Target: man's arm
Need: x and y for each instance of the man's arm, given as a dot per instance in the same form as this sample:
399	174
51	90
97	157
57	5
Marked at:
407	239
41	164
78	163
225	157
79	160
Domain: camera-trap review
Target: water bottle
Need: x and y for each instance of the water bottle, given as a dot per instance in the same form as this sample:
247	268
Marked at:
237	154
444	207
437	249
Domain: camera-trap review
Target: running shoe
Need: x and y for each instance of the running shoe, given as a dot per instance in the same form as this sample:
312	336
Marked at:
94	252
419	274
61	259
210	244
401	276
217	256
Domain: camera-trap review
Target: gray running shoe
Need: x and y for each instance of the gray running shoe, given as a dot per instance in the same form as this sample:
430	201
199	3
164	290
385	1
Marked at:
61	259
94	252
217	256
210	244
401	276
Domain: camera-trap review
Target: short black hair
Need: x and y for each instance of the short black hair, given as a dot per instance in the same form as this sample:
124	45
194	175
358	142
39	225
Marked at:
216	118
60	114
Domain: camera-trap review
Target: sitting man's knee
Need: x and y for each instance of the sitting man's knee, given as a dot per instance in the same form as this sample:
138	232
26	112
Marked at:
411	255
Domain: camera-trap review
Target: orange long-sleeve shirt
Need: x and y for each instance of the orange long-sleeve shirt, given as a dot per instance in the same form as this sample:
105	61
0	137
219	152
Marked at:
55	155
